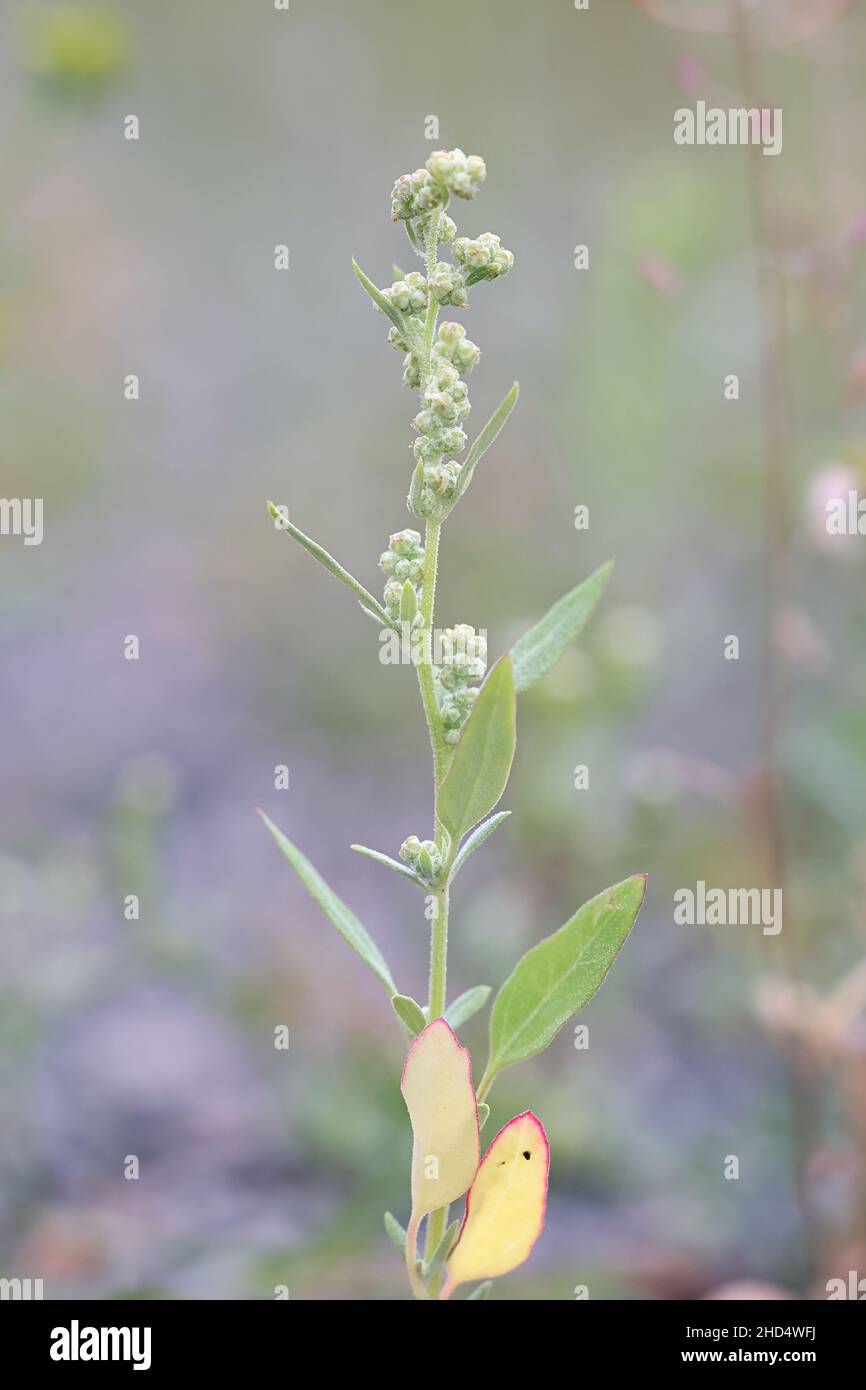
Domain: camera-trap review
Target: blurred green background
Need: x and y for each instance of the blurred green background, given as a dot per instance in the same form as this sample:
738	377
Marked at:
155	1037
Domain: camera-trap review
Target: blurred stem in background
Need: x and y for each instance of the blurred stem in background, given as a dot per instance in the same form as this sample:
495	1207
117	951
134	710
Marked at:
779	457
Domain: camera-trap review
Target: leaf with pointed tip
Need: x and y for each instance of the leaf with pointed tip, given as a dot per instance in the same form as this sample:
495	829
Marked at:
342	917
466	1005
539	649
437	1259
386	859
559	975
480	446
482	759
368	602
379	299
478	836
409	1013
408	603
437	1089
396	1234
482	1292
505	1205
483	1114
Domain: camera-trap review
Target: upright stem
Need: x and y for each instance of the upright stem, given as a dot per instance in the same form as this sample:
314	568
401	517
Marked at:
437	1221
779	451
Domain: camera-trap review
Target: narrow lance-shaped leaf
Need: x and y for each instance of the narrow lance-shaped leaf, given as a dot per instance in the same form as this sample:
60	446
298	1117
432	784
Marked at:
396	1234
342	917
559	975
409	1012
482	758
379	858
368	602
437	1259
466	1005
478	836
482	1293
437	1089
539	649
505	1205
480	445
379	299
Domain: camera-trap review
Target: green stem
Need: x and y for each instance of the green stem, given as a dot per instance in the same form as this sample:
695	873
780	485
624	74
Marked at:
425	663
431	246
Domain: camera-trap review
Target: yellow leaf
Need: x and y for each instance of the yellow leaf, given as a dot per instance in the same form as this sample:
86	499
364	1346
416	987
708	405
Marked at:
437	1088
505	1205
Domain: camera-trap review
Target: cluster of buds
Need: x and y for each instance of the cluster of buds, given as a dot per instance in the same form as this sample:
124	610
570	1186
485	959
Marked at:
404	559
422	856
446	172
483	258
464	661
409	295
447	284
452	345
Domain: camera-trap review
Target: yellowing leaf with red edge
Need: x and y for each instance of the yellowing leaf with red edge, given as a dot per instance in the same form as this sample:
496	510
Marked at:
437	1088
505	1205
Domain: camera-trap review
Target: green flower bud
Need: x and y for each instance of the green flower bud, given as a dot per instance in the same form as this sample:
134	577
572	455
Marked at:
410	849
392	598
414	195
408	295
407	543
446	284
447	228
429	863
454	171
411	369
453	346
404	559
483	258
455	706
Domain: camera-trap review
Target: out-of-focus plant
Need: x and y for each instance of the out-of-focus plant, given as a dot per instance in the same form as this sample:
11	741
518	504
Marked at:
472	729
77	49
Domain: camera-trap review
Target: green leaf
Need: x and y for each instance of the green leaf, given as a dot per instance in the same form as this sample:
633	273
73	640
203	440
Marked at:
408	602
443	1249
559	975
379	299
409	1013
466	1005
482	758
387	861
483	1115
347	924
415	488
396	1234
486	438
539	649
368	602
483	1291
477	838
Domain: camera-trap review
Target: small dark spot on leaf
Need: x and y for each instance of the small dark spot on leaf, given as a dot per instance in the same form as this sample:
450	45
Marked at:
526	1153
501	1163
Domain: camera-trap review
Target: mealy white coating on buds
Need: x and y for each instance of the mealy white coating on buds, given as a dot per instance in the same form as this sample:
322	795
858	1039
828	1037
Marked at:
464	662
483	258
404	559
446	172
423	856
